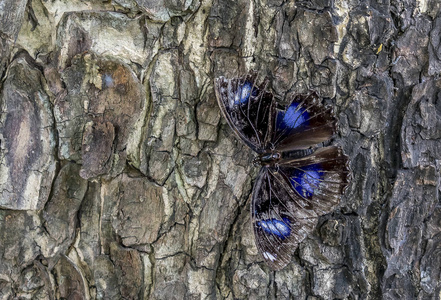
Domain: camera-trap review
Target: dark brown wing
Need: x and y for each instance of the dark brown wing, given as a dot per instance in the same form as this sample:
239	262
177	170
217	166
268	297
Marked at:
319	179
280	223
287	201
302	124
248	108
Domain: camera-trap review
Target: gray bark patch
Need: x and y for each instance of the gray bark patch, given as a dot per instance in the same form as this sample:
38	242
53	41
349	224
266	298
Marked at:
27	140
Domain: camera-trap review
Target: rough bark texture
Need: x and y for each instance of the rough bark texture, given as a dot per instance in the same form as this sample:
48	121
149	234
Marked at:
119	179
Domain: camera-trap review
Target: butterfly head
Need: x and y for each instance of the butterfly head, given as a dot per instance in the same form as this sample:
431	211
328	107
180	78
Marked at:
267	159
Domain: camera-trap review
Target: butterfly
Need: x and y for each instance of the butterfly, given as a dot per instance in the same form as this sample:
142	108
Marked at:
298	181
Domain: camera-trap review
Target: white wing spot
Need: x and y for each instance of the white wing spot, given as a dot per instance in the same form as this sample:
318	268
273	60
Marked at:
269	256
276	227
282	228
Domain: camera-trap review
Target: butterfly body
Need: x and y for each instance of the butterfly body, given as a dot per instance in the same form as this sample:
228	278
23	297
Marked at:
296	183
269	159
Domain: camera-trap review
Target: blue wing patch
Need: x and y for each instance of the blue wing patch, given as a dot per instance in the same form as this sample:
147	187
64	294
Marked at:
293	117
280	228
306	180
244	92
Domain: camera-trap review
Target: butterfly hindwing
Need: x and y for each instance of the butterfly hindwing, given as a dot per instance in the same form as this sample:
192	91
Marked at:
318	179
248	108
288	200
304	123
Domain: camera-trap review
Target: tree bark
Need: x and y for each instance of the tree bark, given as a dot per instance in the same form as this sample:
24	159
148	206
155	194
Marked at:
120	180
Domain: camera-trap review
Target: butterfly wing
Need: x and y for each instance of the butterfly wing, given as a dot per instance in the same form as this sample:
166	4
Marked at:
288	200
318	179
280	224
248	109
302	124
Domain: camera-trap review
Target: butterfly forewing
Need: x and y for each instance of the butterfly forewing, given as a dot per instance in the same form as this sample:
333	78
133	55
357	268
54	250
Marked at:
247	108
279	222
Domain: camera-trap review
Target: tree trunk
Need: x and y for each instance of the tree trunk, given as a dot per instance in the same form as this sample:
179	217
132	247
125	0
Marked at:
120	180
